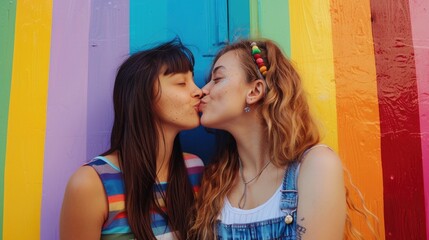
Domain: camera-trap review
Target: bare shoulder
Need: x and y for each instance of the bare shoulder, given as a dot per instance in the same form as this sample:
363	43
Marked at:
85	188
321	195
321	174
321	160
84	208
84	180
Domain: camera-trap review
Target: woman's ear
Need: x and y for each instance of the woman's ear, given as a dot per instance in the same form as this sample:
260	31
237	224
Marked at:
257	91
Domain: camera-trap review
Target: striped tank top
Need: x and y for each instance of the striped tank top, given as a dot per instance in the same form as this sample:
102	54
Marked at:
116	225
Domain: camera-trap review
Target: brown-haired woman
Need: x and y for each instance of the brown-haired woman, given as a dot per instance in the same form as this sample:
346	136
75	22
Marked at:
143	187
271	178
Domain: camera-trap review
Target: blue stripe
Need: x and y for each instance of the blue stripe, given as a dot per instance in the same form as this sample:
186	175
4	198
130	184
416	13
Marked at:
113	187
195	178
119	225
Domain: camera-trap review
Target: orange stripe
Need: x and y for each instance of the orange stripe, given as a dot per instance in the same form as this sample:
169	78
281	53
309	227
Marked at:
357	103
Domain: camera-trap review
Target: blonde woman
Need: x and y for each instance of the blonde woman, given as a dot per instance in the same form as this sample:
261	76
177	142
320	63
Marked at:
271	178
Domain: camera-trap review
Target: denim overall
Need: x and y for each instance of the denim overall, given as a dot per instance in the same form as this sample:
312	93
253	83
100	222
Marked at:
275	228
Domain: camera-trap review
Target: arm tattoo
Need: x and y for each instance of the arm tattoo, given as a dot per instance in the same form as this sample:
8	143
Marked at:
300	230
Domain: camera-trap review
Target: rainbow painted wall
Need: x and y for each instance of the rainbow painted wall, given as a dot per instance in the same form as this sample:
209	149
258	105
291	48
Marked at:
365	65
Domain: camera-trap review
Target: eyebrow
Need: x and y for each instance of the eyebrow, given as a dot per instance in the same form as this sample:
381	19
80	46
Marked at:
217	68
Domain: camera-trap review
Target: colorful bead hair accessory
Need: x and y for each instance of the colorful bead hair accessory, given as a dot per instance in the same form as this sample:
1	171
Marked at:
256	52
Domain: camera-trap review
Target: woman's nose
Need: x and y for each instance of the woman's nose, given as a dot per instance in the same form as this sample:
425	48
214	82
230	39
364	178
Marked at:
197	92
204	91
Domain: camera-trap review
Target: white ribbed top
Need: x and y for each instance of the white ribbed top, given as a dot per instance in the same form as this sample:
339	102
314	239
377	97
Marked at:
268	210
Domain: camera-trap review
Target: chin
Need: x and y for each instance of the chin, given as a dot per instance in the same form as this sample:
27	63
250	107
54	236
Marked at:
192	124
207	123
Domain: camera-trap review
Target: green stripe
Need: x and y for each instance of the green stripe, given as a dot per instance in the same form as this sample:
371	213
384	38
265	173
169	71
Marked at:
270	19
7	30
118	236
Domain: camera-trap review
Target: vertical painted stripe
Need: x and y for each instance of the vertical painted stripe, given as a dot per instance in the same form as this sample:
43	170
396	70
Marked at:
238	19
27	120
270	19
419	10
254	18
357	105
399	120
143	32
109	46
7	29
311	50
65	144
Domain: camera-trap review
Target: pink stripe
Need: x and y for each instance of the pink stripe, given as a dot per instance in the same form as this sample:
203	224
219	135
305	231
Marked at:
189	156
419	11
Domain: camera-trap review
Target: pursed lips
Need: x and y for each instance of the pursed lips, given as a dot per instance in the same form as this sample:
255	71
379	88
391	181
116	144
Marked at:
201	105
197	105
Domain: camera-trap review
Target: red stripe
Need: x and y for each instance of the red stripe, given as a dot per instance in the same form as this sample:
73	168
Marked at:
152	211
120	215
404	207
116	198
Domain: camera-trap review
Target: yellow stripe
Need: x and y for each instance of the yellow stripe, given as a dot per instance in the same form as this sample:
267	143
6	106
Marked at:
27	120
117	206
311	50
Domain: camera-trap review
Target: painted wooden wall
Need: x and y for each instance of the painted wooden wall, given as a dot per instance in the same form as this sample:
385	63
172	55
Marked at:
365	66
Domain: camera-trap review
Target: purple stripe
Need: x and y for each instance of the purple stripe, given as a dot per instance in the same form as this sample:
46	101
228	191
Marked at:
420	31
109	46
65	143
72	132
195	170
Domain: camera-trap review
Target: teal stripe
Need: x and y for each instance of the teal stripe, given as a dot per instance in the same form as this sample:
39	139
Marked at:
239	19
7	30
117	230
270	19
148	26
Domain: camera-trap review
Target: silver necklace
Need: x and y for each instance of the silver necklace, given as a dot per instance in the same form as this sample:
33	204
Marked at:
243	197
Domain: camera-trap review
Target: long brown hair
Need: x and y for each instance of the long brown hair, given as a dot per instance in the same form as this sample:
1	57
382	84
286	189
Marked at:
289	126
135	135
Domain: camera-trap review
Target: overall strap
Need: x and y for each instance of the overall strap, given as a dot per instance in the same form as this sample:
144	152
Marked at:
289	192
289	198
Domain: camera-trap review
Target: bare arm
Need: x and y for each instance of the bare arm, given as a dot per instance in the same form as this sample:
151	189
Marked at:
322	199
84	206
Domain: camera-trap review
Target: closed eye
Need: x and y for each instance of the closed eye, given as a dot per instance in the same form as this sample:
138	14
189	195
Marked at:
215	80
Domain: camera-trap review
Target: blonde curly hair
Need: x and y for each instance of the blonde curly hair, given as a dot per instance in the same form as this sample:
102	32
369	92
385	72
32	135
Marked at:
290	129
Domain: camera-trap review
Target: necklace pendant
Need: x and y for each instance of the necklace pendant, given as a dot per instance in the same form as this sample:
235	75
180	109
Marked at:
243	197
